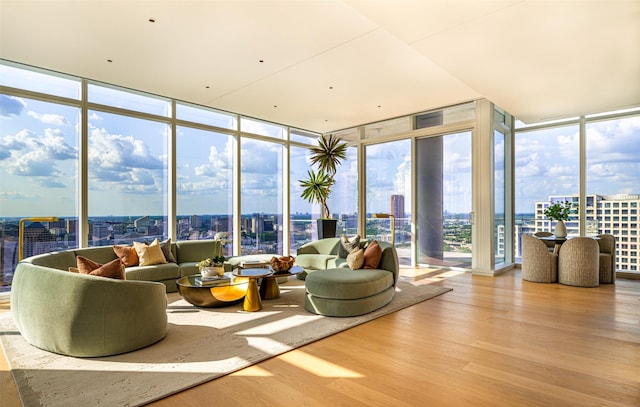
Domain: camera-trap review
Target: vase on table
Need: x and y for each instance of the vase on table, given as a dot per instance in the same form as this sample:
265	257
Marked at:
561	229
213	271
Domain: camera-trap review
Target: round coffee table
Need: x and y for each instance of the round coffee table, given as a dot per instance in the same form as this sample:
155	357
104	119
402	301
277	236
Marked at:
230	291
252	298
269	288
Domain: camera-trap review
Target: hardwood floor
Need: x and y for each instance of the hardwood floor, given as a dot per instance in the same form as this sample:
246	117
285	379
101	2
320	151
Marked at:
492	341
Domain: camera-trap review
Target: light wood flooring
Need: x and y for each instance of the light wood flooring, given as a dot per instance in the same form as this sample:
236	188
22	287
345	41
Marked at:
492	341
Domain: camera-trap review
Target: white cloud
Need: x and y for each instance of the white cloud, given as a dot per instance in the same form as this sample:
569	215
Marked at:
11	106
50	119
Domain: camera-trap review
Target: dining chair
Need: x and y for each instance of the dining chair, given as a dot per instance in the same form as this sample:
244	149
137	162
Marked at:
607	263
539	265
578	262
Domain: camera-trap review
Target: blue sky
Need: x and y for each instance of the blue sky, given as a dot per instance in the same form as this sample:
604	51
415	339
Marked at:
127	157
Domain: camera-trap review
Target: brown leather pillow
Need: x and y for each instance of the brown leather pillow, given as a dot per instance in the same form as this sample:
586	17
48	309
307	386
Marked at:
372	255
113	269
127	254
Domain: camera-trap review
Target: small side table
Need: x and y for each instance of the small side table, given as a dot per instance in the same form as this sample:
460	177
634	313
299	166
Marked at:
252	298
269	288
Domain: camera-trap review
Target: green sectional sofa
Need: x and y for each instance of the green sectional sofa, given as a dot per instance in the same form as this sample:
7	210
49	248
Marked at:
187	254
333	289
83	315
89	316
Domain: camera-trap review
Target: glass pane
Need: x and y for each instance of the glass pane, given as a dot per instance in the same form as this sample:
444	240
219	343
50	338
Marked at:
388	128
38	178
39	81
204	190
202	115
127	163
444	200
499	195
248	125
261	196
127	99
613	184
304	137
303	214
343	201
546	169
388	175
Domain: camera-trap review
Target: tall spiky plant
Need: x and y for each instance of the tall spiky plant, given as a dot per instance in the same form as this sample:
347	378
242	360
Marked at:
327	155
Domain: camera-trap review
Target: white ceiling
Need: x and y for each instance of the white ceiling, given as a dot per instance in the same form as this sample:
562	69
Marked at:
332	64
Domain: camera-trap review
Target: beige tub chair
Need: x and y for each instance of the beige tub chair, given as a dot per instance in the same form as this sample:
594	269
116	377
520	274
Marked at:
578	262
539	265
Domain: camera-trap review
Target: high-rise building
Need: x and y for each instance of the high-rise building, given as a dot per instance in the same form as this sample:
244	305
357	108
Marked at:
397	206
604	214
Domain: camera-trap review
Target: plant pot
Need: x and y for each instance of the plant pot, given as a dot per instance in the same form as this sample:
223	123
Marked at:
327	228
561	229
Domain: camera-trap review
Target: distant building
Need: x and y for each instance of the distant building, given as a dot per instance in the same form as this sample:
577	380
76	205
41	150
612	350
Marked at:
37	240
604	214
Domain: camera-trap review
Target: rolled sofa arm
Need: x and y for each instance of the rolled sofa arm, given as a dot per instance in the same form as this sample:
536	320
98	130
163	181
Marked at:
86	316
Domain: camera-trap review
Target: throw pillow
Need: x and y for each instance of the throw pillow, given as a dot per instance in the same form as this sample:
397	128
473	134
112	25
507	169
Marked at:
113	269
355	259
347	246
166	250
149	254
127	254
372	255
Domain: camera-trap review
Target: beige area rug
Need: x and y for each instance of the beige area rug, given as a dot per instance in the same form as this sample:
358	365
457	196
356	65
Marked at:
201	345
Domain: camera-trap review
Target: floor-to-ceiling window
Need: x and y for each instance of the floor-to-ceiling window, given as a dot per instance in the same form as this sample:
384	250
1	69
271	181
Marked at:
499	197
388	195
613	185
39	142
546	171
444	200
205	161
261	195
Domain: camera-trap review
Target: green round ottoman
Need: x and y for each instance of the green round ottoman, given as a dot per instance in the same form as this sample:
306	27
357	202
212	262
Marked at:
342	292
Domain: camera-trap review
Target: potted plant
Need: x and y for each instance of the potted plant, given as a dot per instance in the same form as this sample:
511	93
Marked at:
327	155
559	212
211	267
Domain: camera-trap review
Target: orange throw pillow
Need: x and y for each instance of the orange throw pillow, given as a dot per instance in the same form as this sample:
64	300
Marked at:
113	269
372	255
127	254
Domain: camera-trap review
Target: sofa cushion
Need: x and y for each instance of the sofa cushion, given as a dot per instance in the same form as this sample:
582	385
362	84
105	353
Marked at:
113	269
372	255
314	261
156	272
166	251
127	254
348	284
337	262
99	254
57	260
149	254
355	259
197	250
347	245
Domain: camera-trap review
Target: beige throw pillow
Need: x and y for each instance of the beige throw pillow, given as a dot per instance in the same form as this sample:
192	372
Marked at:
355	259
151	254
